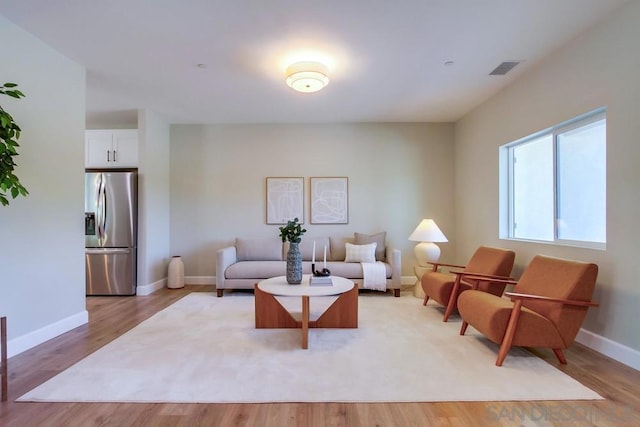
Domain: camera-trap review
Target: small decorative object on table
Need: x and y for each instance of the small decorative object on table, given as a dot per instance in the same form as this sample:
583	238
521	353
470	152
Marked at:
322	277
320	281
292	233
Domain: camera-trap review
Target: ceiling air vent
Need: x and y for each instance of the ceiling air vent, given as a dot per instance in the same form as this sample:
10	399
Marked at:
504	68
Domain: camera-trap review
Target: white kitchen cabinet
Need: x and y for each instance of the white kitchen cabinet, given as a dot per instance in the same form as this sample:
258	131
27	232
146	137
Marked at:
113	148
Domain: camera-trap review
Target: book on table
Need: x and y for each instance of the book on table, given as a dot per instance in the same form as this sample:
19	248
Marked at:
320	281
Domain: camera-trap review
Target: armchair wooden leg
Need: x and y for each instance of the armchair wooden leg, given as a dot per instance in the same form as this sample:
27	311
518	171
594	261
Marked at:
504	350
463	328
509	333
560	355
426	298
452	299
220	292
449	309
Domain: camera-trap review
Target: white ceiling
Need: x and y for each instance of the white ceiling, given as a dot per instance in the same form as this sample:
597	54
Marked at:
386	56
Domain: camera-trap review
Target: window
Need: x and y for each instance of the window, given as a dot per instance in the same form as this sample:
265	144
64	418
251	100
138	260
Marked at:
553	184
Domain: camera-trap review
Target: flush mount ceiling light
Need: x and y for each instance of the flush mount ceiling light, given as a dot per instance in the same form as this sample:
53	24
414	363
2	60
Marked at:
307	76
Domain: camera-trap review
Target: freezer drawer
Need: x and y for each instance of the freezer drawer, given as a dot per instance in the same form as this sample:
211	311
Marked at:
110	271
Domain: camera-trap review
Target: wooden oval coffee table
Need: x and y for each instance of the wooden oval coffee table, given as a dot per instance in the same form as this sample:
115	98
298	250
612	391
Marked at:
269	313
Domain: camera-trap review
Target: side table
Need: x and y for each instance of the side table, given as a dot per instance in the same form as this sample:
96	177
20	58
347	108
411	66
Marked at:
419	271
269	313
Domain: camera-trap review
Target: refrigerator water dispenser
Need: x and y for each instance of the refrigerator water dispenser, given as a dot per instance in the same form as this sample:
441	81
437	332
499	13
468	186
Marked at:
89	223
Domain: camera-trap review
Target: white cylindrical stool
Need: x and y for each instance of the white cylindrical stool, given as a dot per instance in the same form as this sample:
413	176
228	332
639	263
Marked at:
175	278
418	292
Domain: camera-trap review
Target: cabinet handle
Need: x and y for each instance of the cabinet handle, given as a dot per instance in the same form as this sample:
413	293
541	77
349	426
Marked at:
108	155
114	155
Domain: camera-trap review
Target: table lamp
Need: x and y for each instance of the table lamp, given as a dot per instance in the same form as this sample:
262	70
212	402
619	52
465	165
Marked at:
427	233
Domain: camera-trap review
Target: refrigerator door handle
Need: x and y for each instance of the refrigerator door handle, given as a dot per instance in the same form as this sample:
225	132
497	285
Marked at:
107	251
98	213
101	209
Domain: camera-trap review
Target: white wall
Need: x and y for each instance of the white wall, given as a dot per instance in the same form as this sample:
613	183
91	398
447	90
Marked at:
153	201
42	288
398	174
600	68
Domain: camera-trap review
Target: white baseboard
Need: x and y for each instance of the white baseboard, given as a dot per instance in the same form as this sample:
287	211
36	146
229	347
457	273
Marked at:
151	287
32	339
142	290
614	350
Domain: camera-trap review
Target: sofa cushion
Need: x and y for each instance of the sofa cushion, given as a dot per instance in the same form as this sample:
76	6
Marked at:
378	238
360	253
256	270
338	251
259	249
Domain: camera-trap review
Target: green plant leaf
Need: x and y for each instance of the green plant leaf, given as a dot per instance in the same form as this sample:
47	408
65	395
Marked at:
14	93
292	232
9	135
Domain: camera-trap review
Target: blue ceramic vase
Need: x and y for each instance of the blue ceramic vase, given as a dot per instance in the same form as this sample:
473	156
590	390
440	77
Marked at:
294	264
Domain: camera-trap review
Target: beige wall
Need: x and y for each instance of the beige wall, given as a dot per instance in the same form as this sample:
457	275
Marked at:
153	200
42	283
398	174
598	69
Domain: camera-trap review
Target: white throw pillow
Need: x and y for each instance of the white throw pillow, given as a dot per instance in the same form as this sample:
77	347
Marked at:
360	253
379	238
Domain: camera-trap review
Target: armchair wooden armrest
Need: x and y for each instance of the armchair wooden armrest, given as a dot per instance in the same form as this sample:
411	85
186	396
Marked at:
518	296
486	277
437	265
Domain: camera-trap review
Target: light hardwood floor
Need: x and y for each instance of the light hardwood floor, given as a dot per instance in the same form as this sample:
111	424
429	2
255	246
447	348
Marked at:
109	317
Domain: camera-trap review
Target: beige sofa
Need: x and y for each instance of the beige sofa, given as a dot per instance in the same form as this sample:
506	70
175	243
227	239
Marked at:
250	260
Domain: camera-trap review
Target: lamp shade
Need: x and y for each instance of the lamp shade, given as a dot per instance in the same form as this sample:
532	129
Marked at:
307	76
427	231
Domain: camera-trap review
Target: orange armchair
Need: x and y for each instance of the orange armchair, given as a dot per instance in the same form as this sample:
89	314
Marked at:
545	309
445	288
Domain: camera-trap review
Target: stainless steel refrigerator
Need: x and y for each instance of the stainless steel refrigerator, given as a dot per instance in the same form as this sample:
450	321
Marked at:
111	230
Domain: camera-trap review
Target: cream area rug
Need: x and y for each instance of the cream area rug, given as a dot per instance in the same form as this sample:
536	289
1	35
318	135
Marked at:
206	349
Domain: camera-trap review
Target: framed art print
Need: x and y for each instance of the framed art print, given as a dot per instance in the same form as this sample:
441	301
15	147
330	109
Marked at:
285	199
329	200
